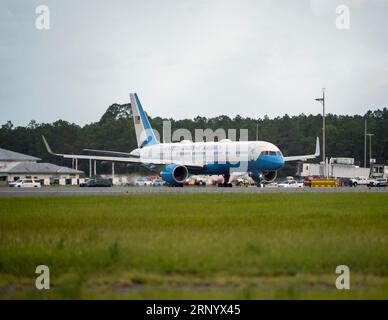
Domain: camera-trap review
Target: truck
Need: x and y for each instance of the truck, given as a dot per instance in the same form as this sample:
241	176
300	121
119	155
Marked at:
359	181
291	183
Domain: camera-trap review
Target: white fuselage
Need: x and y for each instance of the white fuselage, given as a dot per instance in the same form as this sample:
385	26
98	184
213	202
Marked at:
202	153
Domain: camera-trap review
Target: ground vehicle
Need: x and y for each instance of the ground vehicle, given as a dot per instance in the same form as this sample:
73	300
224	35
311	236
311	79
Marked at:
25	183
143	182
379	182
97	183
158	183
241	182
200	181
244	181
359	181
290	184
272	185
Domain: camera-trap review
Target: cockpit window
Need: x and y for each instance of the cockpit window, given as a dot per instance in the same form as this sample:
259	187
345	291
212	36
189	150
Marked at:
271	153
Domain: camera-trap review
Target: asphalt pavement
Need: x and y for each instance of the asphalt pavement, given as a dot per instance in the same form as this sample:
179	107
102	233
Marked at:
73	191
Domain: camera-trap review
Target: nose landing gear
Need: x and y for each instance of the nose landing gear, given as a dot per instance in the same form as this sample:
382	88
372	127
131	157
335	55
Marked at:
258	178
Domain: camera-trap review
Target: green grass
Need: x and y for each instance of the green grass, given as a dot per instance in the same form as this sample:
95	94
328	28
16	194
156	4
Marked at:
195	246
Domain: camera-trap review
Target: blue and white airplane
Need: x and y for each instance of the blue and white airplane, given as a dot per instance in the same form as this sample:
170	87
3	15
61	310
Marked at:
260	159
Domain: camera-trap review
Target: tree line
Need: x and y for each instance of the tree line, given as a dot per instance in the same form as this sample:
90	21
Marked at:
114	131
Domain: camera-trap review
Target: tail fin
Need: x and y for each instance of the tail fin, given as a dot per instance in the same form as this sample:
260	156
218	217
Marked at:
144	134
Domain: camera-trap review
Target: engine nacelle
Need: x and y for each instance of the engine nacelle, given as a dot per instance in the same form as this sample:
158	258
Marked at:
269	176
266	177
174	174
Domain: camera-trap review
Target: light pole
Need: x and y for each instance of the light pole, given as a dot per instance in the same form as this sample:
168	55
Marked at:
366	124
257	131
323	128
370	148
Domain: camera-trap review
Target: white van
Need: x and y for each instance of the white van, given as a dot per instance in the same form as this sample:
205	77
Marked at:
25	183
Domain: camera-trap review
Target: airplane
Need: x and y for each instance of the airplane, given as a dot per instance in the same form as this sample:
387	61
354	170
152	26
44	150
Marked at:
177	161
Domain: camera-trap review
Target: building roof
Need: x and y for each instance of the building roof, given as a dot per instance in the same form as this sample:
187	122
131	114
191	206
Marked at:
8	155
32	167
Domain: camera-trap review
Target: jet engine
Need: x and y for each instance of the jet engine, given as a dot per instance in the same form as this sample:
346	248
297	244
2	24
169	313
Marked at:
269	176
266	177
174	174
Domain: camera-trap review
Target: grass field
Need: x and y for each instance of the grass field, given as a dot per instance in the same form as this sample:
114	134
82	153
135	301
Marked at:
195	246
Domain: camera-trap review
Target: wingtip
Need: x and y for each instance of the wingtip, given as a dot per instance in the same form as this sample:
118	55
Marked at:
47	145
317	148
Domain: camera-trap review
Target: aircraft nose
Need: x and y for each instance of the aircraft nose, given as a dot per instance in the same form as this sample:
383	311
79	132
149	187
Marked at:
271	162
279	161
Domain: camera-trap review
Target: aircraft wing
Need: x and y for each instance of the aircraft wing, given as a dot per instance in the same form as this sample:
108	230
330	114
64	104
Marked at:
90	157
111	152
305	157
129	158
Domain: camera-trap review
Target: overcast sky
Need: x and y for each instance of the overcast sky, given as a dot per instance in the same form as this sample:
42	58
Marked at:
191	57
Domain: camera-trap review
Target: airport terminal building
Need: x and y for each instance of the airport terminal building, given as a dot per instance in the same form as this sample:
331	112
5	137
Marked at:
341	168
14	166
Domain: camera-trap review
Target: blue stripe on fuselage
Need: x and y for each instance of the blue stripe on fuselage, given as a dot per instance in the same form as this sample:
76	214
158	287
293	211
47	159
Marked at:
263	164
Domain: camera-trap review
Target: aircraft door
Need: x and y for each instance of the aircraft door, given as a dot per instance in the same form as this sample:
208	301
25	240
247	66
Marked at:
252	156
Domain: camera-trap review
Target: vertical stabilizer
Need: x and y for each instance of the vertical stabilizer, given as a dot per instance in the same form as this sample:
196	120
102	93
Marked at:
144	134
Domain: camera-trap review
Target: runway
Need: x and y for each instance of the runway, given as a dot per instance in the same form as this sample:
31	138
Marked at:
76	191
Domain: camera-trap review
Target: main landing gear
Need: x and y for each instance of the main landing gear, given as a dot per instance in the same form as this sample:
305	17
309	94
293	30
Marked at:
226	183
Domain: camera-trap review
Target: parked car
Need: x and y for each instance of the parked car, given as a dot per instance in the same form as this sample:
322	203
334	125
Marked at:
141	182
272	185
200	181
379	182
97	183
291	184
242	182
344	182
359	181
158	183
25	183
